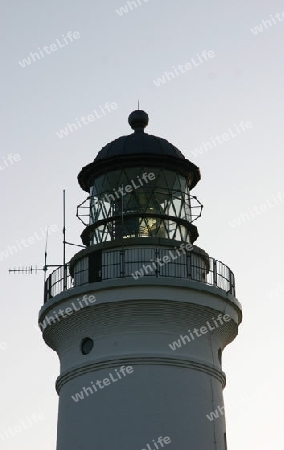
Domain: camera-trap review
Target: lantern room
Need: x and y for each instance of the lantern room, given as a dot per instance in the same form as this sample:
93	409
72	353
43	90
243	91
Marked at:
139	186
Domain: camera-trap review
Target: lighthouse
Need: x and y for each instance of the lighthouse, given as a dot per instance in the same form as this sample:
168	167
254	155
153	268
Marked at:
140	317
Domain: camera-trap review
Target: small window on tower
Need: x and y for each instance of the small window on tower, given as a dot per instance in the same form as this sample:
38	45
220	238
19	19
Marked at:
87	345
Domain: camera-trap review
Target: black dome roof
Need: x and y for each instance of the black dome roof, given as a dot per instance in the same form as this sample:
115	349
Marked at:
138	148
139	143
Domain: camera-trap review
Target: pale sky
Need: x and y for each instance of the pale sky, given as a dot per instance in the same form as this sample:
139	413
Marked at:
116	58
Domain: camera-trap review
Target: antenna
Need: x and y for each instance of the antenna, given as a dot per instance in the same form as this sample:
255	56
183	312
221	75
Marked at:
45	254
64	245
122	231
138	105
28	270
64	229
122	206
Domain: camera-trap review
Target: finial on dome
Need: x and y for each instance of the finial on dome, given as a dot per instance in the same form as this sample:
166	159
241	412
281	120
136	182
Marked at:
138	120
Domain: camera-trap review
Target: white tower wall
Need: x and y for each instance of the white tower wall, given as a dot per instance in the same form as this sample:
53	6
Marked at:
168	392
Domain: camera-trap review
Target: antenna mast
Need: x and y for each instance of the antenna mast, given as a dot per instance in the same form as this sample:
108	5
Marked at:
30	269
64	245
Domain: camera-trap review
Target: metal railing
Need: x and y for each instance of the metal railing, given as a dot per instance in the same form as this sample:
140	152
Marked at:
58	281
139	262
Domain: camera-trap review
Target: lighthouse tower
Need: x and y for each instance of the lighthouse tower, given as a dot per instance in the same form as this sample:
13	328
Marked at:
140	317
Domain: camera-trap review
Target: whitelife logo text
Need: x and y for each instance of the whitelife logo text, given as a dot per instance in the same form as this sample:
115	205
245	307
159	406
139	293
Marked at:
24	243
183	68
63	313
33	57
159	444
124	190
220	139
184	247
86	120
120	373
265	24
202	330
129	7
9	160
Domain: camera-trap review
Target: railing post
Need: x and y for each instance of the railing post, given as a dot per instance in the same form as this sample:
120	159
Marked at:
157	271
65	277
48	288
188	262
45	291
232	283
122	263
215	272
